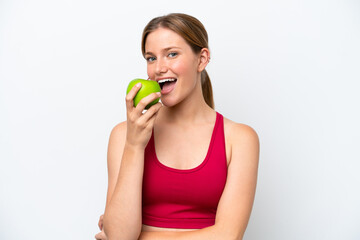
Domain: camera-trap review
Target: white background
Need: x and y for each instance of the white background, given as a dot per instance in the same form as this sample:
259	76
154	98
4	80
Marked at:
289	69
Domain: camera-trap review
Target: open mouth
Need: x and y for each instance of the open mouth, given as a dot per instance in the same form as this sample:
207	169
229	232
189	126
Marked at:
167	83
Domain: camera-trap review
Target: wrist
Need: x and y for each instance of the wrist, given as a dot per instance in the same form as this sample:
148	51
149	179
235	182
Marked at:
134	147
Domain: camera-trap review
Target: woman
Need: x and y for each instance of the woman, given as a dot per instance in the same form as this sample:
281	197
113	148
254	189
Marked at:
180	170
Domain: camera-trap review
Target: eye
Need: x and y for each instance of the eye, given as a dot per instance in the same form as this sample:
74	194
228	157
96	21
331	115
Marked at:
173	54
150	59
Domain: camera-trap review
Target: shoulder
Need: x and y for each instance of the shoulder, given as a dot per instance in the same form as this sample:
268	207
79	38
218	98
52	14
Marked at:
242	139
118	134
119	128
239	132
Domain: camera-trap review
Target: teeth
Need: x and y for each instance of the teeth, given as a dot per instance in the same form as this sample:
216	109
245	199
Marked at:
166	80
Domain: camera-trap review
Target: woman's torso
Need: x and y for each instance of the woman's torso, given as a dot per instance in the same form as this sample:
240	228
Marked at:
170	139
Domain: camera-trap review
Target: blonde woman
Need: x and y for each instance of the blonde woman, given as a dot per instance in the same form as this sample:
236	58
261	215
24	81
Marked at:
179	170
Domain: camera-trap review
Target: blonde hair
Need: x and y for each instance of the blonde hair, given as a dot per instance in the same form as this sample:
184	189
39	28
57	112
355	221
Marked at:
194	33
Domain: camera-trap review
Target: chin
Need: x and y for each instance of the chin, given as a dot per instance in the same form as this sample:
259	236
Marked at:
169	102
172	100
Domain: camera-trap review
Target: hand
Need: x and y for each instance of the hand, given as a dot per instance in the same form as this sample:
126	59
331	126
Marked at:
101	235
140	123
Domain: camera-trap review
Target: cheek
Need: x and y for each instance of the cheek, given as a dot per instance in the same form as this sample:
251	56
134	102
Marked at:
150	72
182	68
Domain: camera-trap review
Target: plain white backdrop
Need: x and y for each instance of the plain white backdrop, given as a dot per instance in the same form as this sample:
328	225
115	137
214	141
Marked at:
288	68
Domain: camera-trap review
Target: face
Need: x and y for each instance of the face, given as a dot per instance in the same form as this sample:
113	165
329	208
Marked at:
170	59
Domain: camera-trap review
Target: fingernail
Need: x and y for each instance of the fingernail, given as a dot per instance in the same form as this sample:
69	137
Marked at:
138	85
158	93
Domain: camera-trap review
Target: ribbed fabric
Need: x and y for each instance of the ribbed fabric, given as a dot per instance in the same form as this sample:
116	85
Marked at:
175	198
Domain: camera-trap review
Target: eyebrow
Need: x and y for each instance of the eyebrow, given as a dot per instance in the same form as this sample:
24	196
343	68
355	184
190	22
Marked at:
164	50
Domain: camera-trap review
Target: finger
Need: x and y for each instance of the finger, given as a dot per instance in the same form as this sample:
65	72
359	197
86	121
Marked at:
100	224
148	119
103	236
100	236
138	111
146	100
151	112
130	96
97	236
151	121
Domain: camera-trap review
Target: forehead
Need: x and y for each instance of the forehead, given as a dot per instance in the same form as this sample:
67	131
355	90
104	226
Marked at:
163	38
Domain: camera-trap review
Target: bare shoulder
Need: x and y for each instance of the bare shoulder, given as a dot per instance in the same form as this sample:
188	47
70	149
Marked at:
116	143
118	134
119	129
239	131
242	139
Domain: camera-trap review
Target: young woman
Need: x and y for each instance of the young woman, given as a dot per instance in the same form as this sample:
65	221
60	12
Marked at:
179	170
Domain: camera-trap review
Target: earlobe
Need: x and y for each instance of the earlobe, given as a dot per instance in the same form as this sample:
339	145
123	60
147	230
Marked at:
204	59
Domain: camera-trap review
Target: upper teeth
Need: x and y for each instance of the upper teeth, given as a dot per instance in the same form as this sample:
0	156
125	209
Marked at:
167	80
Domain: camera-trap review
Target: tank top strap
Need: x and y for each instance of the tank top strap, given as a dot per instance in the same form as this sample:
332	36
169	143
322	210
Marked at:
218	151
220	139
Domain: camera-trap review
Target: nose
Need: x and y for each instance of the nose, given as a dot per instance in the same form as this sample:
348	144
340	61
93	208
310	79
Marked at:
161	67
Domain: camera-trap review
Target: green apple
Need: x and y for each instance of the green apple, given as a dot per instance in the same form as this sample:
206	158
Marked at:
147	87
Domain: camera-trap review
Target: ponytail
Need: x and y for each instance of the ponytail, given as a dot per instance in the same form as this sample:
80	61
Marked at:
207	89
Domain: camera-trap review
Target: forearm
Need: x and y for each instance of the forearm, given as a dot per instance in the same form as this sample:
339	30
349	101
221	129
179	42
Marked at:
122	218
209	233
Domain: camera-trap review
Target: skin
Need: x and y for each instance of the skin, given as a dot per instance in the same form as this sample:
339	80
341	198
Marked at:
184	119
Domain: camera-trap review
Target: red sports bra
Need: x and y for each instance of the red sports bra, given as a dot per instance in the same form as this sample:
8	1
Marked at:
175	198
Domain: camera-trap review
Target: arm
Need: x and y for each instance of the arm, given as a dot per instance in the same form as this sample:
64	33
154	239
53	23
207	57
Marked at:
122	218
236	202
123	209
115	151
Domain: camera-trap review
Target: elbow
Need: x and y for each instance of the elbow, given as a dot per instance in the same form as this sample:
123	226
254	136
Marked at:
236	235
226	233
114	231
109	228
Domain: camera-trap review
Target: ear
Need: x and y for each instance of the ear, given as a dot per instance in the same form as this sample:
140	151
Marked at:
204	59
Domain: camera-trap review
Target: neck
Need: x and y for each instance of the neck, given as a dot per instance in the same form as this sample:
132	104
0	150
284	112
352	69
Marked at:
193	109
